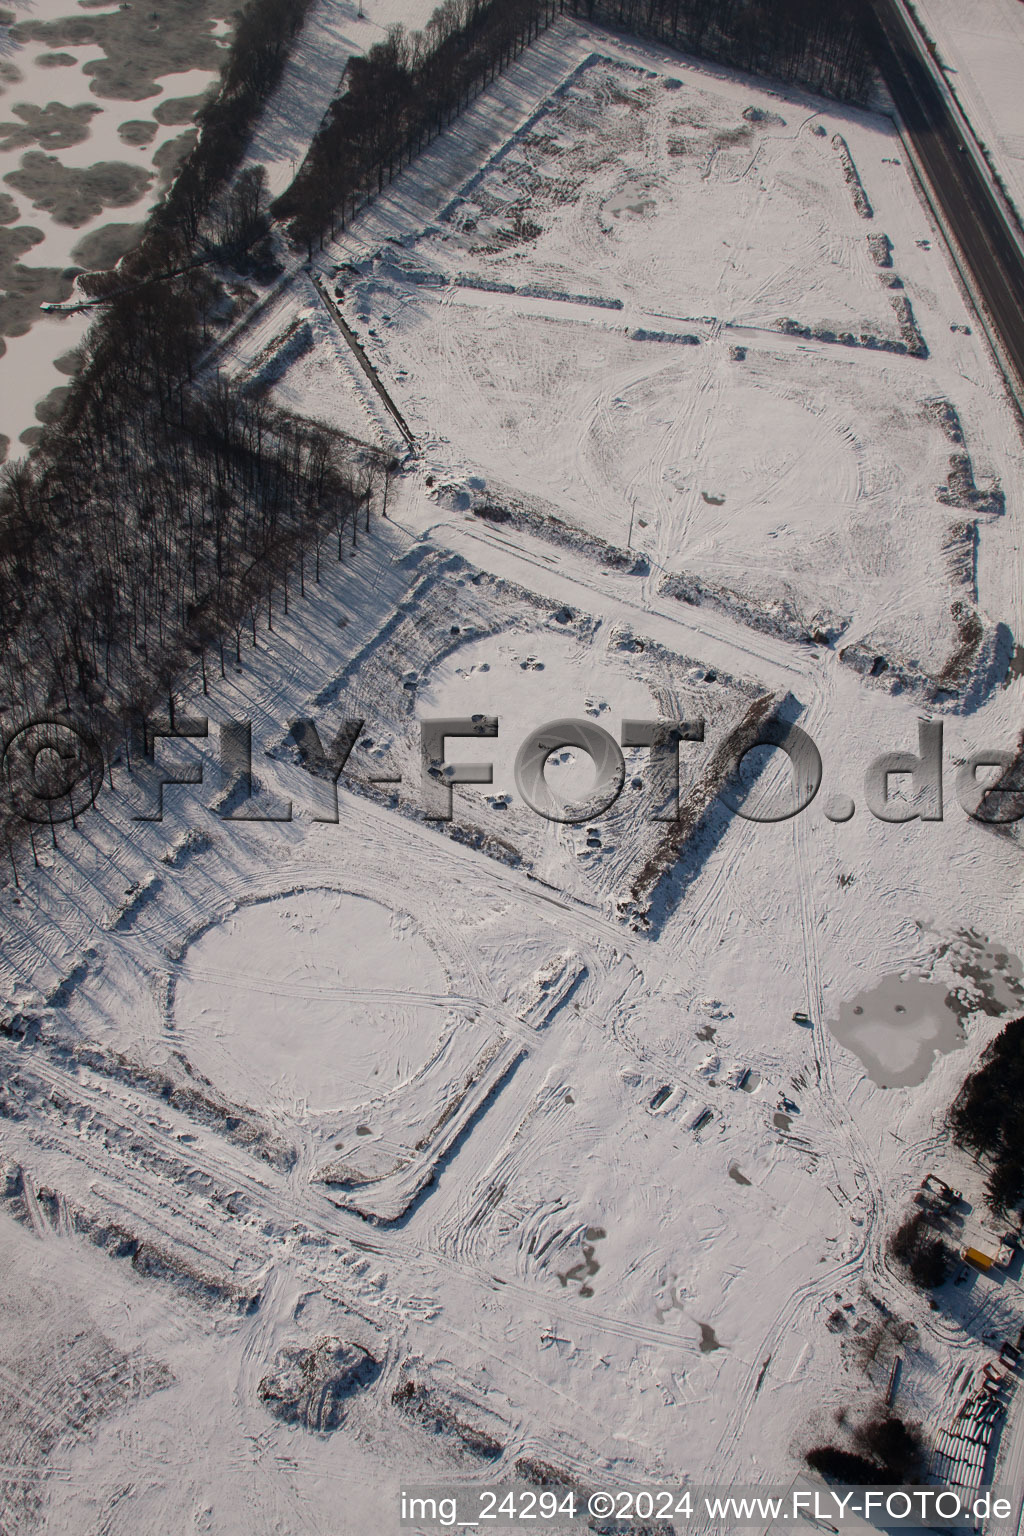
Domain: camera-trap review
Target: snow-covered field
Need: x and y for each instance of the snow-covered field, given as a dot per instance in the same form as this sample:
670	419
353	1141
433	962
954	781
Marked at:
593	318
522	1108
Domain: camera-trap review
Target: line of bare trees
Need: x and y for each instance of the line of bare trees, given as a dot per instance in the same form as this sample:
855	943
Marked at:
399	96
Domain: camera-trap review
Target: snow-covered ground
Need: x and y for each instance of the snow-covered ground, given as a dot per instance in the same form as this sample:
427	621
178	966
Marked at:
523	1108
594	317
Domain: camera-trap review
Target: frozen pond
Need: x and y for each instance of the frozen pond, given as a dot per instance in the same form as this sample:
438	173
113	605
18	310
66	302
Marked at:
898	1028
632	198
97	108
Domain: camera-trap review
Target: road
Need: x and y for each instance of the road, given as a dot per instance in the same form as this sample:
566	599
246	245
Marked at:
970	210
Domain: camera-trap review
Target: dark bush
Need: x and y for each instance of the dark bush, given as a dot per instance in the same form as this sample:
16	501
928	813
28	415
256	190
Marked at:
886	1450
921	1251
892	1443
842	1466
987	1116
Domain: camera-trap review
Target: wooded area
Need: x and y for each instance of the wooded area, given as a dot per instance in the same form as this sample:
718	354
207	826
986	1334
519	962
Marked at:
179	230
821	44
161	511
